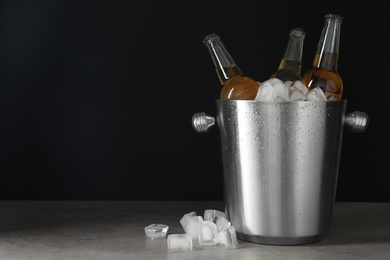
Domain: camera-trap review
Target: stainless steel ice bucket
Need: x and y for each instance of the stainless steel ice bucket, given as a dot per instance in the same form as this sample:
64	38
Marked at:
280	162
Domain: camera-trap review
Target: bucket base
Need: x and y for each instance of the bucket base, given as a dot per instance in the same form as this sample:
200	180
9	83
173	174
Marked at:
280	241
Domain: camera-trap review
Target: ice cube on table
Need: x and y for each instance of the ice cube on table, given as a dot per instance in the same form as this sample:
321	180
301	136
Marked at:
265	93
207	233
156	231
228	237
222	223
190	224
280	91
179	242
316	94
193	226
183	220
210	214
300	86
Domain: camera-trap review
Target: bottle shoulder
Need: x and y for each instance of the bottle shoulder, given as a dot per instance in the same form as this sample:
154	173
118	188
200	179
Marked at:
317	73
240	88
328	80
240	80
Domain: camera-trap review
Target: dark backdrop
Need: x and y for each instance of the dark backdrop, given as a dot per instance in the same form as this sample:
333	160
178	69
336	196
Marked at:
96	97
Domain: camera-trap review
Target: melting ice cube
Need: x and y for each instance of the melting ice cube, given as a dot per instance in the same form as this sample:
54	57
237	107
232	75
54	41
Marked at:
288	83
316	94
222	223
265	92
183	220
228	237
300	86
207	233
273	90
179	242
280	99
332	98
274	81
190	224
280	91
296	94
156	231
210	214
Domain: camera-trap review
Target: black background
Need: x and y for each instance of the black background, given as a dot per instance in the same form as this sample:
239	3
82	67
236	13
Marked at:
96	97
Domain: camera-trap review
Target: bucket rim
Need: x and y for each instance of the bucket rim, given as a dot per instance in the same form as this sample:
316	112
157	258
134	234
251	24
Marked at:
280	102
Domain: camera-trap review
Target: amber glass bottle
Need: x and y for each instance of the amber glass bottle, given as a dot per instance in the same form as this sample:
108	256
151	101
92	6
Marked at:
290	66
235	86
323	73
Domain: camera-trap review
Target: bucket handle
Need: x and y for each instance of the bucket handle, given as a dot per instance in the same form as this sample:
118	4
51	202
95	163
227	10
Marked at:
356	122
201	122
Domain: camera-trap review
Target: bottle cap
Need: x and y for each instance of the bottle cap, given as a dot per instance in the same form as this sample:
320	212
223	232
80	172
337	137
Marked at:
334	16
297	33
210	37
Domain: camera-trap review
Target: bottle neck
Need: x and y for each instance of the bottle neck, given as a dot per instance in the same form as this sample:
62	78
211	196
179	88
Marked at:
223	62
292	58
328	47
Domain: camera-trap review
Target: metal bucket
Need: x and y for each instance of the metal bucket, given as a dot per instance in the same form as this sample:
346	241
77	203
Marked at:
280	162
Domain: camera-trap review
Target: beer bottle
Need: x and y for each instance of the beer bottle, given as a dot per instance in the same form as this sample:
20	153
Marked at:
290	66
323	73
235	86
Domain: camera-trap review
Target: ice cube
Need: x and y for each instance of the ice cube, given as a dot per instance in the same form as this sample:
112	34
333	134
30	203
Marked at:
288	83
273	81
316	94
156	231
332	98
300	86
179	242
183	220
210	214
207	233
222	223
192	226
280	90
296	94
227	237
265	92
280	99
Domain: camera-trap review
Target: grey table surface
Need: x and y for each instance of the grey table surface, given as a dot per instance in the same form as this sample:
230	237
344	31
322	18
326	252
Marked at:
115	230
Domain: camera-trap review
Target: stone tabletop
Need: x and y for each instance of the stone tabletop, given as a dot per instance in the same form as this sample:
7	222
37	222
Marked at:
115	230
